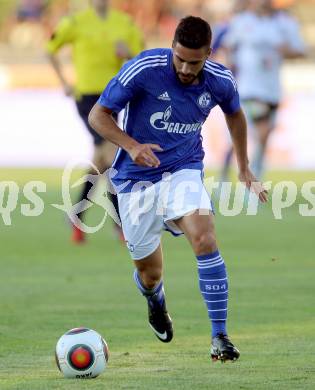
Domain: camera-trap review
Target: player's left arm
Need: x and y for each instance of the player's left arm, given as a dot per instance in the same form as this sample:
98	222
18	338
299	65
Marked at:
236	122
293	45
238	129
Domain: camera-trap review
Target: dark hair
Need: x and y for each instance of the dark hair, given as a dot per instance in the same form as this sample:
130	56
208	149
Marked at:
193	32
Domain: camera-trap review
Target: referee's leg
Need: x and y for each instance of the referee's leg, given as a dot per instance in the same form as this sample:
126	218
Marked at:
103	156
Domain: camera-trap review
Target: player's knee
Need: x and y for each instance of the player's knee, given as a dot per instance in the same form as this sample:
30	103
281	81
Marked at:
150	278
99	161
204	243
99	165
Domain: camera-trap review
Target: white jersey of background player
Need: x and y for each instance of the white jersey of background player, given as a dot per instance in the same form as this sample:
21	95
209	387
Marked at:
259	42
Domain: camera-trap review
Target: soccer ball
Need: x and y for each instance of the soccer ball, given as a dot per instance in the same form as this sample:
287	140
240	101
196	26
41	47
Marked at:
81	353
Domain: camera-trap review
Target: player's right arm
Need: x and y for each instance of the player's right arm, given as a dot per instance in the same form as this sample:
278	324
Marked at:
55	62
101	120
64	34
129	84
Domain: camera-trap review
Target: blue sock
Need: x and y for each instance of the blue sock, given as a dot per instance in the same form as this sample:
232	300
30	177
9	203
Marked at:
154	296
213	285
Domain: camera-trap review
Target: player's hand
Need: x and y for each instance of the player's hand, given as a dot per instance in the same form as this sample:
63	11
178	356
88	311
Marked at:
253	185
68	90
122	50
143	155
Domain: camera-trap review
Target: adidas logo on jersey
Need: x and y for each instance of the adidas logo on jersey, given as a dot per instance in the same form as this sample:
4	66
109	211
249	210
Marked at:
164	96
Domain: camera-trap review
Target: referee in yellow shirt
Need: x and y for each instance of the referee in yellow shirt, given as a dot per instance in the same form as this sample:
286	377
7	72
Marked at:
102	39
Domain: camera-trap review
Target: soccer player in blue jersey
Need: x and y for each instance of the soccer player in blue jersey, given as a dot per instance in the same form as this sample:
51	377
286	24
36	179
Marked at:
167	95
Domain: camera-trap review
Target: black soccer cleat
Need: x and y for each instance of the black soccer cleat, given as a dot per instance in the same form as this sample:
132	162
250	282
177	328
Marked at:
222	349
160	322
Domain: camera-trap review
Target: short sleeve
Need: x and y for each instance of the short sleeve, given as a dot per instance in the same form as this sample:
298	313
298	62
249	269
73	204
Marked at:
291	31
231	101
64	34
232	34
219	36
122	88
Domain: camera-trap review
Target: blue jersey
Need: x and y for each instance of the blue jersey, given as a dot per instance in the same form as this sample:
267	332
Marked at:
159	109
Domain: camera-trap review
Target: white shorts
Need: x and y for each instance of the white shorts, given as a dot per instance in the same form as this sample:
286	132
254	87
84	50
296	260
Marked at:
151	208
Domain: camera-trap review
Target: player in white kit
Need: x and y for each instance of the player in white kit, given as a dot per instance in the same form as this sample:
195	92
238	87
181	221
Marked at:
258	39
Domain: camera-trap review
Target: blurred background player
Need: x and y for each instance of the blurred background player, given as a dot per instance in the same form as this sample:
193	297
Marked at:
257	40
102	39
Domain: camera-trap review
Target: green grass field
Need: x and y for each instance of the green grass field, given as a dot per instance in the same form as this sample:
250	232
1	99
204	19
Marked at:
48	286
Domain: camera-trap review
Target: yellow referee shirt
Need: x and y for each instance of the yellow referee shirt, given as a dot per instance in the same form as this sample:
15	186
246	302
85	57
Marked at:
94	46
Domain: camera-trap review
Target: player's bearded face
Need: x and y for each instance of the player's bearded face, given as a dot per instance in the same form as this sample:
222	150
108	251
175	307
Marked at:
188	63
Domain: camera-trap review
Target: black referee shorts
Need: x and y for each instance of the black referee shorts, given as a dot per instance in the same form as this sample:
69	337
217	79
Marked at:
84	105
259	110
